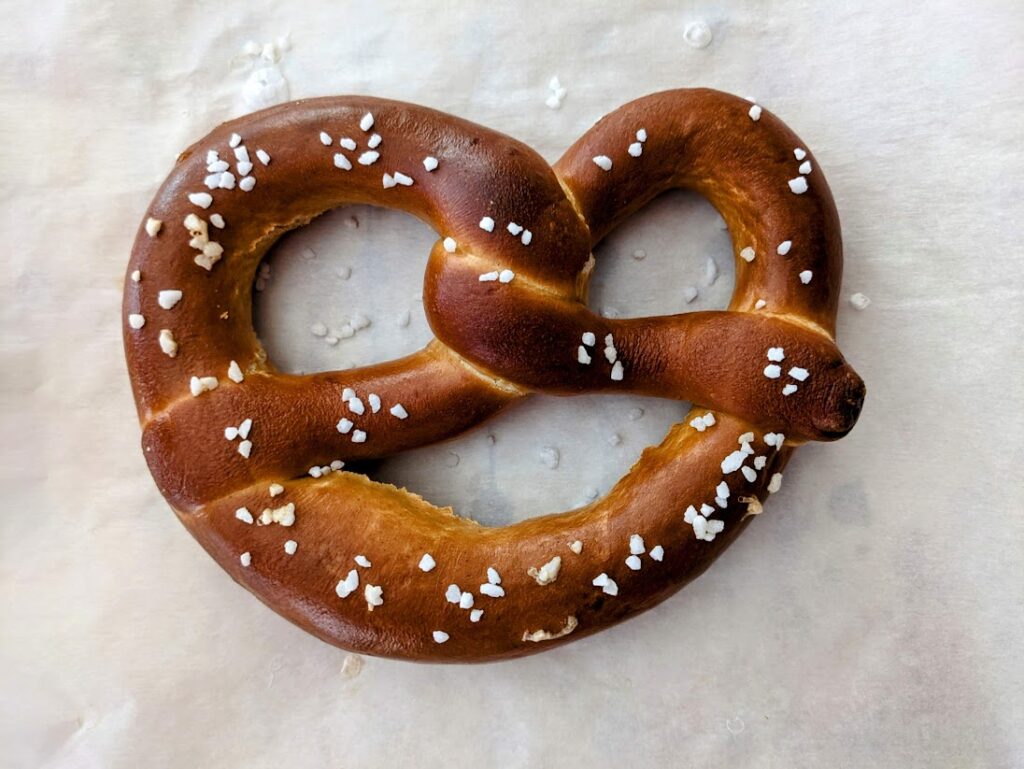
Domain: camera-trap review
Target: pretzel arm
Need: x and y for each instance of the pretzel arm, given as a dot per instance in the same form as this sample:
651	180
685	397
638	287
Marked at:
297	422
704	140
716	359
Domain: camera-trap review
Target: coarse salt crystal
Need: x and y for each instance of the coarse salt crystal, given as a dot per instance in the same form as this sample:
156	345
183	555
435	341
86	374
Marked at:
347	586
733	462
491	590
168	298
606	583
547	573
636	544
198	385
859	301
167	343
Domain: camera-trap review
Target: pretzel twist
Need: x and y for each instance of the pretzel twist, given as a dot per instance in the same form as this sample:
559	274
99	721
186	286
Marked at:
509	315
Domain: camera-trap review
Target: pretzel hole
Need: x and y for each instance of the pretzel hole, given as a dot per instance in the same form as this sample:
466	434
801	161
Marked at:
677	233
324	280
504	470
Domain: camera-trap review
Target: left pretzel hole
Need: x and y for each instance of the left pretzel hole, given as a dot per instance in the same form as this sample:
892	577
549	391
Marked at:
321	284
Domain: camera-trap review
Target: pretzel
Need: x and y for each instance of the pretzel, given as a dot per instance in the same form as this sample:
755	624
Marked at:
251	459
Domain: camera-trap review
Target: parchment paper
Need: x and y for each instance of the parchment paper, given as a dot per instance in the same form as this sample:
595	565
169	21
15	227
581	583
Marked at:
871	617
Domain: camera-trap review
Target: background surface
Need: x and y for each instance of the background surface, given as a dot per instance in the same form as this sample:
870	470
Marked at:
872	616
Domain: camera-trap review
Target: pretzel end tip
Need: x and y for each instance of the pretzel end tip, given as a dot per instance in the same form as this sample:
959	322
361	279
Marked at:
841	407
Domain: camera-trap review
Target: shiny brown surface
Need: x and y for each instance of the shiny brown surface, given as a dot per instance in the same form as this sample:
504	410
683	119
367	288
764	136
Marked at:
495	343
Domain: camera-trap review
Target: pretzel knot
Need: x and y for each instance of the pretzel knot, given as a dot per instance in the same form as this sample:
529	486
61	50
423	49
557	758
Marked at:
251	458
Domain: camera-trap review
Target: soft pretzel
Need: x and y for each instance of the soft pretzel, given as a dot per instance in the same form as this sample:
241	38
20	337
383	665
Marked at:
250	458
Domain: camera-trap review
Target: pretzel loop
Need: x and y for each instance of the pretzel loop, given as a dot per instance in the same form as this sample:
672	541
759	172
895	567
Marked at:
504	296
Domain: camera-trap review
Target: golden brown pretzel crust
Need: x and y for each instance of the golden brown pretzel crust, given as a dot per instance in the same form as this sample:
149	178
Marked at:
496	342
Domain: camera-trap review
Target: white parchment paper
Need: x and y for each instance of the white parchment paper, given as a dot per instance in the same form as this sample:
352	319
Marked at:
872	617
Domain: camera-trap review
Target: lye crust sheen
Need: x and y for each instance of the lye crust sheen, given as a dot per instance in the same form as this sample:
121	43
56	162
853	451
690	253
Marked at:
252	459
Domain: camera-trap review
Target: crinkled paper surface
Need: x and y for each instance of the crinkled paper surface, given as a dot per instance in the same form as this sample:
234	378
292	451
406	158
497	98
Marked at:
871	617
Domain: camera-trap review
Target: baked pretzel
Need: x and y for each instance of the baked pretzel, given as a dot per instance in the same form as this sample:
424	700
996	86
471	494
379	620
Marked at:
250	458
